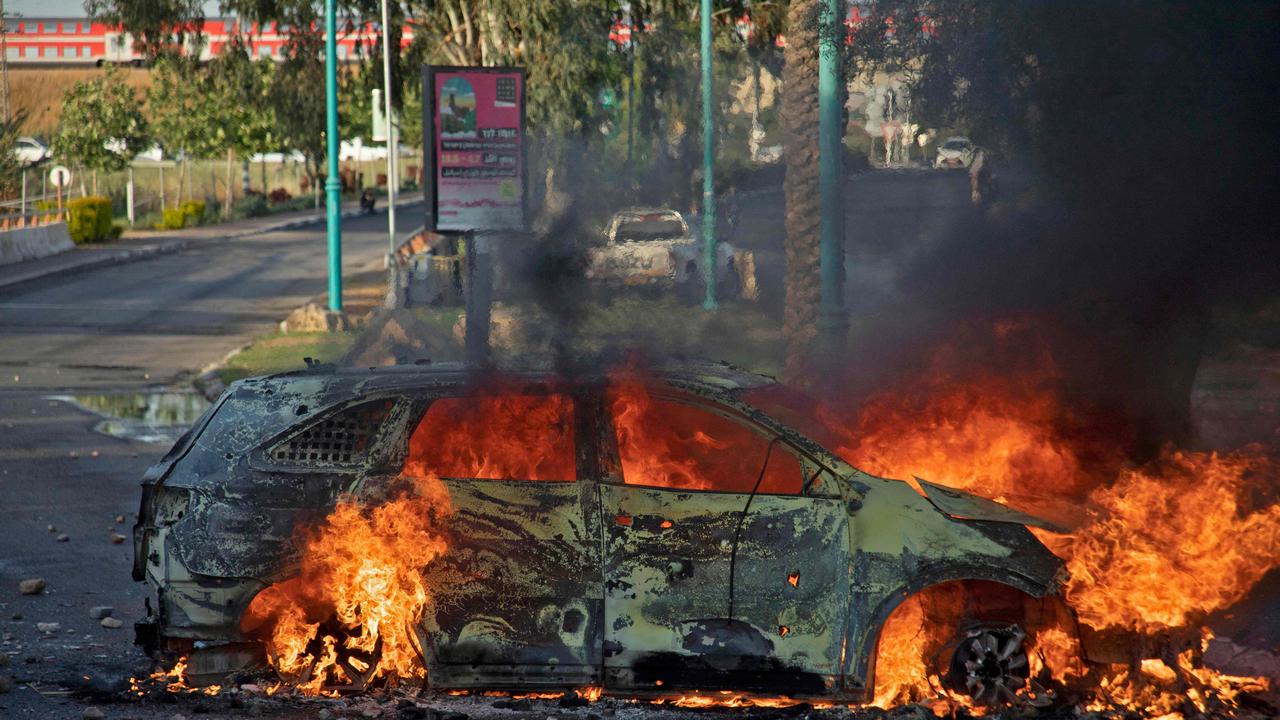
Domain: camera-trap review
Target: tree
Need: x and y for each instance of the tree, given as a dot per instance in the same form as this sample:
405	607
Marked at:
102	126
154	24
183	112
244	119
803	208
11	168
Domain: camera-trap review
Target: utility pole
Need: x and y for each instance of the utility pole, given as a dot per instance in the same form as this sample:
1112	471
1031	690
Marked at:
708	167
832	323
6	110
332	184
393	152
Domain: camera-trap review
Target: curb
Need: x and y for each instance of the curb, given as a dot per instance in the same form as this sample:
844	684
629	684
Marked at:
163	248
91	263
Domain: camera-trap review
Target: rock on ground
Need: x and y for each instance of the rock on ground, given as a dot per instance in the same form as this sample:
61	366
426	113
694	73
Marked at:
111	623
34	586
98	612
314	317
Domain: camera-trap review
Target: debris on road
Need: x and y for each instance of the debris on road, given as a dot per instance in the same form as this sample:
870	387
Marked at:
111	623
34	586
117	538
119	519
98	612
52	528
93	713
6	682
63	537
49	627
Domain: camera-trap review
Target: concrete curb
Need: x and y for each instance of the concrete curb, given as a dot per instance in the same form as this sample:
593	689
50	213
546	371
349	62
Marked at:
164	247
97	260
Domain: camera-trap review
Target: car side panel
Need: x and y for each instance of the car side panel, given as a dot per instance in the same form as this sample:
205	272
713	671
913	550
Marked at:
517	599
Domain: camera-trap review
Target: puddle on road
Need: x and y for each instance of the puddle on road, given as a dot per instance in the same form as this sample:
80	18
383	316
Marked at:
159	418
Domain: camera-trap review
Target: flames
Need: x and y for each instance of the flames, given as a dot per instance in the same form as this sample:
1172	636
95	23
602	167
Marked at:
1158	545
351	612
1172	540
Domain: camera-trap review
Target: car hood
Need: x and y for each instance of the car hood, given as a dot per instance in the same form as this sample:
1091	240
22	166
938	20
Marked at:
966	506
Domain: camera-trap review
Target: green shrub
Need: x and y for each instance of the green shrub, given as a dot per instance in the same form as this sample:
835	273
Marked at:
250	206
89	219
116	231
193	212
173	219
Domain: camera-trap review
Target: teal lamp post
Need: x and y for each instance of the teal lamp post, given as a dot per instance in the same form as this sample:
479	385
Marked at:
708	167
832	323
332	184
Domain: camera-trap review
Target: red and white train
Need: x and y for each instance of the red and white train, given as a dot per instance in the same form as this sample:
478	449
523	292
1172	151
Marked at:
82	41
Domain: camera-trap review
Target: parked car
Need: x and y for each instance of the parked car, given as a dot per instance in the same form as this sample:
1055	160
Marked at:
30	151
154	153
955	152
656	247
670	535
294	156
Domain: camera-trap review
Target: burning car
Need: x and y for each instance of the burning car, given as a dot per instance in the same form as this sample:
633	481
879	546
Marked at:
638	532
656	247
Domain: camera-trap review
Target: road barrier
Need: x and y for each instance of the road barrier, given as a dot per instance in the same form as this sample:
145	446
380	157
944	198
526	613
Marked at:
33	237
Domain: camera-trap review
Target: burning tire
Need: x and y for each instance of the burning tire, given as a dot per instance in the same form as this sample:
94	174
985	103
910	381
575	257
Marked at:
990	664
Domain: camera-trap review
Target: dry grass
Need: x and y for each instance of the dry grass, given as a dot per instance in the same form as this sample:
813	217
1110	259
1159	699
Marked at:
39	91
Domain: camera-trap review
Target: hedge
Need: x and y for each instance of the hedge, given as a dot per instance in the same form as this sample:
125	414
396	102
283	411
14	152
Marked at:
89	219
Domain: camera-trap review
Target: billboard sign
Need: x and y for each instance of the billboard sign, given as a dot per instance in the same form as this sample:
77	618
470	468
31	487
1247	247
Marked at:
474	118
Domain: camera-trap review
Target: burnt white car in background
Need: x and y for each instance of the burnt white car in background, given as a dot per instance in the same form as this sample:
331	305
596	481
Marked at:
656	247
955	152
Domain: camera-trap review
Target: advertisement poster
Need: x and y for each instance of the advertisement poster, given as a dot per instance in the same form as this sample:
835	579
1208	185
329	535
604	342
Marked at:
477	148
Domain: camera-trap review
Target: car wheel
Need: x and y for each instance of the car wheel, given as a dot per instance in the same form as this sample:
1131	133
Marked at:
990	665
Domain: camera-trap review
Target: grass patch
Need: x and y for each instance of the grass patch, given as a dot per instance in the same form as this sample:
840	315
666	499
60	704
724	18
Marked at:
279	352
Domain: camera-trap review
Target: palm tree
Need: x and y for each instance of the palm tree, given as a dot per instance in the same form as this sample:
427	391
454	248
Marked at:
803	209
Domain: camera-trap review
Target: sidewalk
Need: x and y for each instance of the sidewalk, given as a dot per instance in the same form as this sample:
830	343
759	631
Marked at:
140	244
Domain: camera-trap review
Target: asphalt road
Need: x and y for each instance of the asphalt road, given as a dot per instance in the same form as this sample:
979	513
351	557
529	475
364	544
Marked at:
123	328
154	321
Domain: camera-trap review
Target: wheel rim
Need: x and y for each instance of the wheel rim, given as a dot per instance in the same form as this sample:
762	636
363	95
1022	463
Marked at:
990	664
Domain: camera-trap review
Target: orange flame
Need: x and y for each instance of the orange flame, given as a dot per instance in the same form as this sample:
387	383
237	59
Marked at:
670	444
1159	545
354	606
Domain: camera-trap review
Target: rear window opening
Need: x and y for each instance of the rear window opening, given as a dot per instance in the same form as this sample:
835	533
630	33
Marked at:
495	437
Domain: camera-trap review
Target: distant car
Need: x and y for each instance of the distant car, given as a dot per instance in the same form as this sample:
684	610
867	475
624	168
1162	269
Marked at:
656	247
294	156
154	153
30	151
639	532
356	151
955	152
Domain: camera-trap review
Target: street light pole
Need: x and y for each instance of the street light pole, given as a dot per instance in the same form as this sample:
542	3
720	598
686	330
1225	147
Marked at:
832	323
332	184
393	153
708	167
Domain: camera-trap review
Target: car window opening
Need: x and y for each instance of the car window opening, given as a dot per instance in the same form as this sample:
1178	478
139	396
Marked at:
495	437
669	444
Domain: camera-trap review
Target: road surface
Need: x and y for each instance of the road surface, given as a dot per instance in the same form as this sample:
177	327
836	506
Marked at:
152	322
123	328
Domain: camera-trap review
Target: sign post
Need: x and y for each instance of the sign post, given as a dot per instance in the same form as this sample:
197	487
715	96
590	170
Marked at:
59	175
475	186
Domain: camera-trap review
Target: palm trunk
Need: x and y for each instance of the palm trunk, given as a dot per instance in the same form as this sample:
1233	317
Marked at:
803	209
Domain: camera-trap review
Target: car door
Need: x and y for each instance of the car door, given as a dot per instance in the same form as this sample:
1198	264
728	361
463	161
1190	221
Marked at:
707	584
516	601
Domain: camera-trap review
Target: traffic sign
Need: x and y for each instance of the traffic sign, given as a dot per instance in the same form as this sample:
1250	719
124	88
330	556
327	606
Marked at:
60	176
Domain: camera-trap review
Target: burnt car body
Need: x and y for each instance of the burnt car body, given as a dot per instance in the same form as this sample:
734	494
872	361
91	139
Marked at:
657	247
779	581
